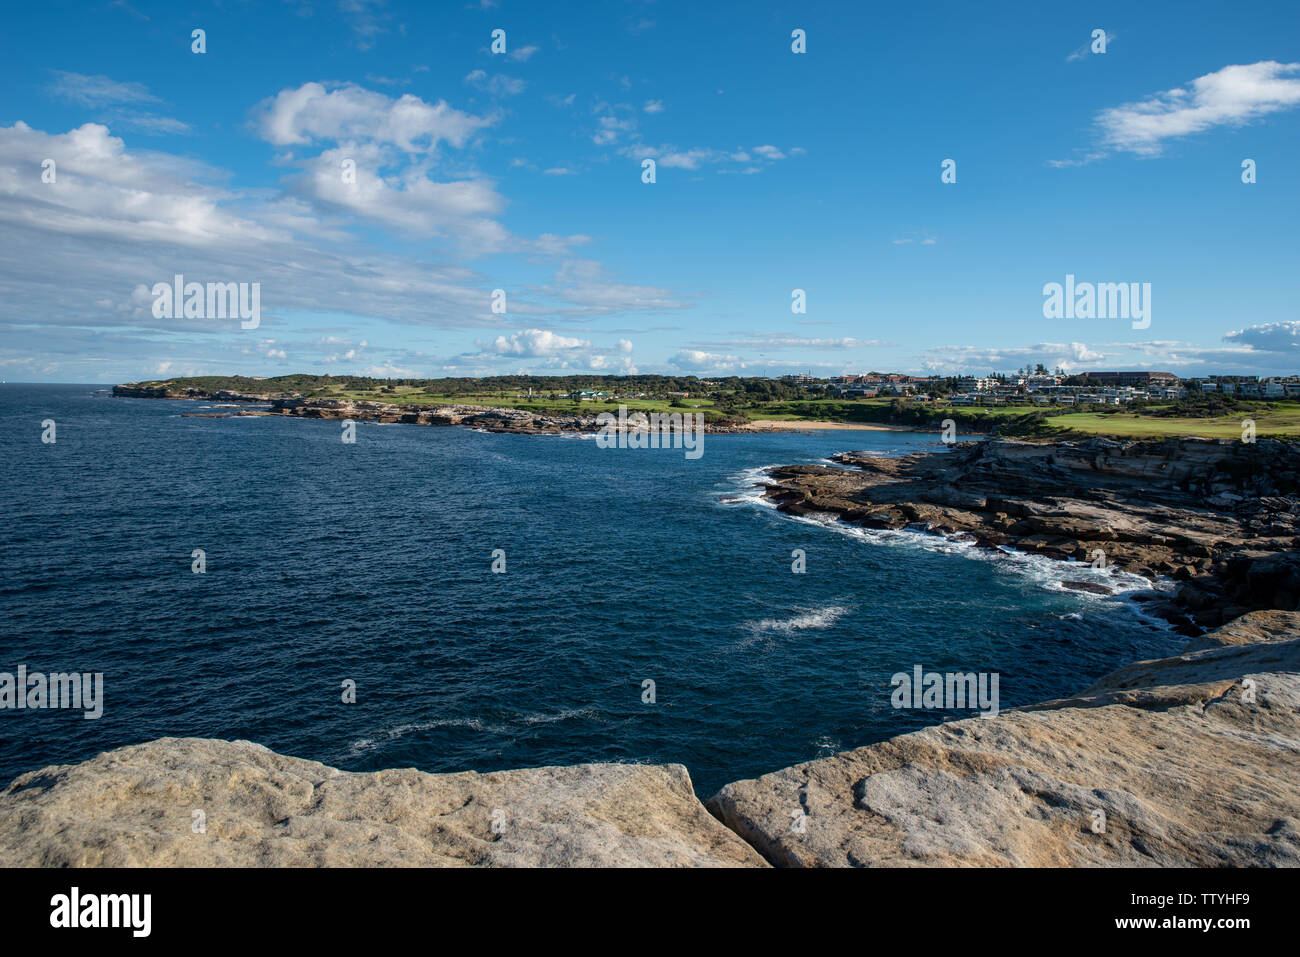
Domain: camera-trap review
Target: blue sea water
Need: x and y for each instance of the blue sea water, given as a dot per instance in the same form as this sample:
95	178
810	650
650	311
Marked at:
372	562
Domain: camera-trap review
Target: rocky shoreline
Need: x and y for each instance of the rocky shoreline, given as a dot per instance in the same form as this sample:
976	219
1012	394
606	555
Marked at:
1189	760
1220	519
1182	761
484	417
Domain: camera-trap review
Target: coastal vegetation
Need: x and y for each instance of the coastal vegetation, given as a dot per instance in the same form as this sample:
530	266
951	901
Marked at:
737	400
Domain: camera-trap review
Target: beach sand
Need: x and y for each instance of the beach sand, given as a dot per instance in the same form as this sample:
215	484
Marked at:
778	425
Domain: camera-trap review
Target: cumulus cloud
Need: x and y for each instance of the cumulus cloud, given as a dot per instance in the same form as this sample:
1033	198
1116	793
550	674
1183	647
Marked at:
389	148
407	197
85	251
550	350
1232	96
534	342
697	360
1271	337
349	112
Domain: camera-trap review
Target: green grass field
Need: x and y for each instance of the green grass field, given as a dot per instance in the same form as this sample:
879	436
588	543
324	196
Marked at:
1282	421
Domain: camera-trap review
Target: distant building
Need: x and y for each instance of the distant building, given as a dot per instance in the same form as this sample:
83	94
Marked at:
1143	379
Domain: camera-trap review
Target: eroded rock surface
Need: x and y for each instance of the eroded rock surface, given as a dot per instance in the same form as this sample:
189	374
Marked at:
1191	761
134	806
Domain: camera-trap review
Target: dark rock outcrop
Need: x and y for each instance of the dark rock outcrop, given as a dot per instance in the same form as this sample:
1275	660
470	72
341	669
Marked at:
1219	518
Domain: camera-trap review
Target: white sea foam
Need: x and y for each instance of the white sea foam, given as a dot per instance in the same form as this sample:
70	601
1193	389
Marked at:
362	745
1046	572
744	488
560	716
808	619
389	735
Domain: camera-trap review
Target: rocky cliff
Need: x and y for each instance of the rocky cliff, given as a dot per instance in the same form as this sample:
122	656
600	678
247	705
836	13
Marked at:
1190	760
1220	518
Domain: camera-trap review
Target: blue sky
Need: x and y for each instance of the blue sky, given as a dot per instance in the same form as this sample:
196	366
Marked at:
522	171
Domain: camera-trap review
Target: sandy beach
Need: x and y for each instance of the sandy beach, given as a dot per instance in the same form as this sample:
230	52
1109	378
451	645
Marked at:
794	425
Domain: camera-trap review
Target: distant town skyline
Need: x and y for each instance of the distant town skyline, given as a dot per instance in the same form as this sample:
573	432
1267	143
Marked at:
463	190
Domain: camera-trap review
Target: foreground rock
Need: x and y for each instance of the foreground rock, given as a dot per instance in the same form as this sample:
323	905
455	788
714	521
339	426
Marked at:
1187	770
1219	518
134	806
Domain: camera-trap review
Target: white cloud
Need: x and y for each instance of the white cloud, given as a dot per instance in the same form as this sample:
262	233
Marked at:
1083	51
534	342
584	285
311	112
1232	96
523	54
654	106
497	84
407	198
957	360
87	248
776	340
1271	337
694	158
151	123
366	18
551	351
697	360
116	101
98	91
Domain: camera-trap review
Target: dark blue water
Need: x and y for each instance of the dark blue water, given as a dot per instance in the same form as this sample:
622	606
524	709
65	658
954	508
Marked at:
372	562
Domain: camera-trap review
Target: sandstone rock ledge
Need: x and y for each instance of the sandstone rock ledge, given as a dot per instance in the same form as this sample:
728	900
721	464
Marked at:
134	806
1186	770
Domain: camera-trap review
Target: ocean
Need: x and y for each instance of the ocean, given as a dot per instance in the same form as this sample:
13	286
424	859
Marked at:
329	564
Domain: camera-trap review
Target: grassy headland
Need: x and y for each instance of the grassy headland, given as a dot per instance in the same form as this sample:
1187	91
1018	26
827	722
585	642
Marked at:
738	401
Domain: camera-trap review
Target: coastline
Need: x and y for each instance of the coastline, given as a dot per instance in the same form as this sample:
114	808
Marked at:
1219	519
1189	759
485	418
